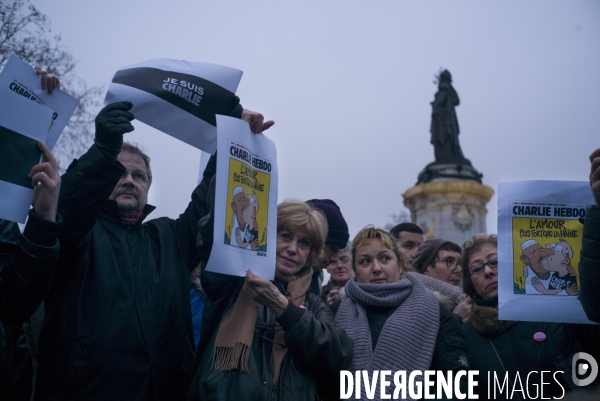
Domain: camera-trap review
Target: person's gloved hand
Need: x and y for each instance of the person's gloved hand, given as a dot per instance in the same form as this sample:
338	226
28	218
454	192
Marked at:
112	123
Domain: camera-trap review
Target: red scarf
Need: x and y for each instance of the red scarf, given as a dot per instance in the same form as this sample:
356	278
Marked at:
130	217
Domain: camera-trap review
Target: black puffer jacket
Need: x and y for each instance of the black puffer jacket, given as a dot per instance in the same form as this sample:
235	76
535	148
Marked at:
317	349
27	263
515	350
589	264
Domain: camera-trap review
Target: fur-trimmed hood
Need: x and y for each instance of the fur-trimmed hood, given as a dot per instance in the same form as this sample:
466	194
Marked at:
485	320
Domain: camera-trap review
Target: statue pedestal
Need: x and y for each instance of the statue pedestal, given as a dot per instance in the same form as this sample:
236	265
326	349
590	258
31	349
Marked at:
449	209
461	170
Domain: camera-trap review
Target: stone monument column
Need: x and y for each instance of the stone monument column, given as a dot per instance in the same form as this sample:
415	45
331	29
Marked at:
449	199
453	210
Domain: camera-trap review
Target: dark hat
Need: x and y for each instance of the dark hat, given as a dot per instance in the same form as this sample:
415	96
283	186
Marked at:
425	254
338	229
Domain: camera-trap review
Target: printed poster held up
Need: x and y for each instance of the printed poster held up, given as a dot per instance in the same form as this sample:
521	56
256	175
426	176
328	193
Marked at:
22	124
539	242
177	97
21	80
245	202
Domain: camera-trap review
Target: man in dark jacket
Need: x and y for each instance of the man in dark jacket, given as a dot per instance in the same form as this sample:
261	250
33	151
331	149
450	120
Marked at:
118	322
589	265
27	263
337	238
27	260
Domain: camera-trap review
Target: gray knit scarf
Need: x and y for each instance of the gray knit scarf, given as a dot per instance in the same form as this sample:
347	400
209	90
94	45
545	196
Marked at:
450	295
408	337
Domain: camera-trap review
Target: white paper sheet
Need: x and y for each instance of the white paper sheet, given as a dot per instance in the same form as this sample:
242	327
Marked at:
245	202
22	81
539	240
177	97
30	119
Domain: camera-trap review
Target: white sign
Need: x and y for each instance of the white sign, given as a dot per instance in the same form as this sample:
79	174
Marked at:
245	202
22	81
22	124
177	97
539	242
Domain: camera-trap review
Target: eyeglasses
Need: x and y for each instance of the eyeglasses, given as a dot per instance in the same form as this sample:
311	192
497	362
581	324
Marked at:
450	263
478	269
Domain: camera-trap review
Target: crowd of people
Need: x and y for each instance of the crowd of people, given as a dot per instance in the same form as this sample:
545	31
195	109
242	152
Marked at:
98	304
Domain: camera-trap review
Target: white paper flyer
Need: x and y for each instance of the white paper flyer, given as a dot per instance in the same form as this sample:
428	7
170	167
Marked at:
21	80
22	124
539	242
177	97
245	202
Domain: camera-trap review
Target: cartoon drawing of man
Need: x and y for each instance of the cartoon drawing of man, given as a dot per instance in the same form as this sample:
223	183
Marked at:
564	280
532	257
240	202
250	218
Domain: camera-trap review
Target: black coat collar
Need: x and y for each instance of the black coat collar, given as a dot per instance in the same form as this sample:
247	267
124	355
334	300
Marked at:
110	212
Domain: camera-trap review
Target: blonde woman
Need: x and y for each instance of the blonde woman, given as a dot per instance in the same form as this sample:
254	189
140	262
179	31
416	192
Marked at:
394	321
274	339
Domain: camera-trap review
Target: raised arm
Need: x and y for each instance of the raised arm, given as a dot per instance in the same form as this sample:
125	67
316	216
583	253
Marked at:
27	266
589	265
595	175
89	181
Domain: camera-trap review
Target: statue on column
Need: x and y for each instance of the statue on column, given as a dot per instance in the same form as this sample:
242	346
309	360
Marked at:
444	124
450	163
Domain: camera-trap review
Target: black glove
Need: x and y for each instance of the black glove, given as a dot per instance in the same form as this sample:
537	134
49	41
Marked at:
111	123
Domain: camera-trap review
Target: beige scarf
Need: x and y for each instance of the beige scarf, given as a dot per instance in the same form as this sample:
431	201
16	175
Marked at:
234	338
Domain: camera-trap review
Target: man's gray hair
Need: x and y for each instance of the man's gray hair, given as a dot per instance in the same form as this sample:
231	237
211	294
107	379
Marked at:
347	247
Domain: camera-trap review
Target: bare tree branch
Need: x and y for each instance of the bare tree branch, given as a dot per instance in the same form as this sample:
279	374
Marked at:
27	33
401	217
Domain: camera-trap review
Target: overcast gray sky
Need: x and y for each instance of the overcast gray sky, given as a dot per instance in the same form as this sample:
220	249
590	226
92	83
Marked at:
349	83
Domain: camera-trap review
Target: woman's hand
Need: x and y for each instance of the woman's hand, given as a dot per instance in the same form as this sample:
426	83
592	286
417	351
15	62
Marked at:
332	297
463	309
265	293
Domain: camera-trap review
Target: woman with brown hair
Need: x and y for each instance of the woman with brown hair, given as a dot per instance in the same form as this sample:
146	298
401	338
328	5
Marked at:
521	349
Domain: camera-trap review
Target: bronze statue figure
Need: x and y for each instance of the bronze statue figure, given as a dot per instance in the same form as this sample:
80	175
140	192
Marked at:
450	163
444	124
